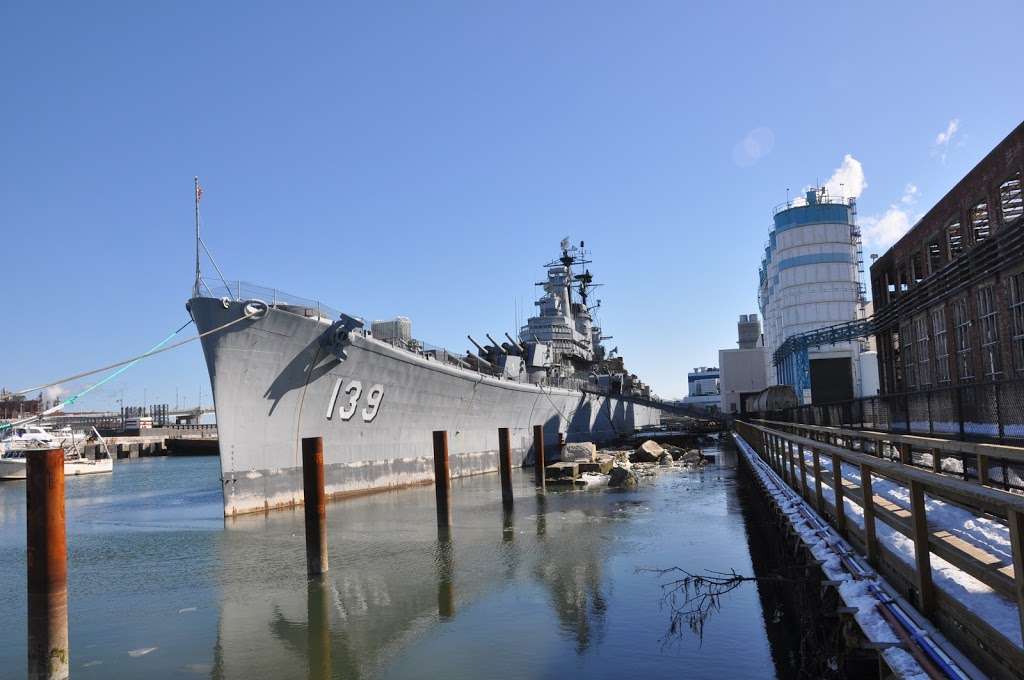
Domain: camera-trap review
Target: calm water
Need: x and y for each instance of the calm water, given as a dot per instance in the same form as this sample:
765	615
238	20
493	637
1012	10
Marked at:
162	586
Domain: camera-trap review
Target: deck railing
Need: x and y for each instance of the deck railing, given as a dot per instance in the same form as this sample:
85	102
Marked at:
799	453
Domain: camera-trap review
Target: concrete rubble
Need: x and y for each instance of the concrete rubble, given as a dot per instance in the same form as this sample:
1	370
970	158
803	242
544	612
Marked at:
579	452
582	463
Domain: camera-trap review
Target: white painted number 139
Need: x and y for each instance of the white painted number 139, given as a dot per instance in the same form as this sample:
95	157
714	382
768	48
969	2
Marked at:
350	403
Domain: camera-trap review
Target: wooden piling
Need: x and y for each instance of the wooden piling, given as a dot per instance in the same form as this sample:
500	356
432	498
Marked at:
442	478
314	505
505	467
47	564
538	456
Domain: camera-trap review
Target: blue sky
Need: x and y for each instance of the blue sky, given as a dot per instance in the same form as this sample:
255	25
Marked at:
426	158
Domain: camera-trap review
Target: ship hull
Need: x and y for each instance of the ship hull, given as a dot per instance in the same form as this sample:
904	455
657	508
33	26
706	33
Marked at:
274	383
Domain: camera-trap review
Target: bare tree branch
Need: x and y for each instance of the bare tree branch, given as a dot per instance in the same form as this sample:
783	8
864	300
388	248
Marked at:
692	598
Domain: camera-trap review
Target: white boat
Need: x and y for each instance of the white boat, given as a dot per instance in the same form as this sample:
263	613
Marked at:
19	443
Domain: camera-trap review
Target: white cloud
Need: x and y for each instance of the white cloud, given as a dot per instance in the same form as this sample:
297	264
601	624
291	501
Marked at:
945	138
848	179
757	144
881	231
53	393
909	195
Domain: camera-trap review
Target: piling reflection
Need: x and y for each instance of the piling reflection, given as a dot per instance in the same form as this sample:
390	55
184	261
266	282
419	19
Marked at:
508	527
445	577
318	628
394	573
570	569
542	522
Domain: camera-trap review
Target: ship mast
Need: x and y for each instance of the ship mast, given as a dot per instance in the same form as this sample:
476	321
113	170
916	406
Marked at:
198	193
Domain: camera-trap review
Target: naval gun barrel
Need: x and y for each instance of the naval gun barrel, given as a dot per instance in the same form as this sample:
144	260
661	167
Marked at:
476	344
479	361
496	344
515	344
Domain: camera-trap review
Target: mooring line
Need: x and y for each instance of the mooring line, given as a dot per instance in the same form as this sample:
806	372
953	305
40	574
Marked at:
145	355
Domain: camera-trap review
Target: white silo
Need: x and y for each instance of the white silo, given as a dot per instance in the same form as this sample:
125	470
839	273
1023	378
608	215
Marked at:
810	278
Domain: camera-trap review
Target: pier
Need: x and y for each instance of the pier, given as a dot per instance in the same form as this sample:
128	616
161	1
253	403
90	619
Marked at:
950	547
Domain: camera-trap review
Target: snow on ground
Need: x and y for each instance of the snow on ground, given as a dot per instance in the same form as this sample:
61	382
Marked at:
854	593
987	533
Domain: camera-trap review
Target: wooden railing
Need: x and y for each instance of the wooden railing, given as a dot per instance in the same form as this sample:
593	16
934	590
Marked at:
786	450
901	447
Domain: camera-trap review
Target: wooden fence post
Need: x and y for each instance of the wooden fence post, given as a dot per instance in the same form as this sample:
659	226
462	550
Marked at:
1016	525
792	466
802	469
868	504
819	496
837	486
922	554
983	471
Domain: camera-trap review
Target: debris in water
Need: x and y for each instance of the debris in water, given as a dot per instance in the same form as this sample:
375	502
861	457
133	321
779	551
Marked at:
135	653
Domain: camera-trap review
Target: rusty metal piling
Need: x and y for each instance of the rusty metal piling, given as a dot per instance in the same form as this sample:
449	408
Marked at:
538	456
442	478
315	505
505	467
47	566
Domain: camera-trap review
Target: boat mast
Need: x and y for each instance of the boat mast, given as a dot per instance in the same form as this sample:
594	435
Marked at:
198	193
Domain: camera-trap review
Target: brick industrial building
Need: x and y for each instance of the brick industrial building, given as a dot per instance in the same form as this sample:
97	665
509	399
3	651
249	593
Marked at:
949	306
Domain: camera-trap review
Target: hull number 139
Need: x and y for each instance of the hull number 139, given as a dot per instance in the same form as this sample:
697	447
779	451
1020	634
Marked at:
349	400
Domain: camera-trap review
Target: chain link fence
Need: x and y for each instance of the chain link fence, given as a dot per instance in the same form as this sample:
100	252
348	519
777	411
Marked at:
989	411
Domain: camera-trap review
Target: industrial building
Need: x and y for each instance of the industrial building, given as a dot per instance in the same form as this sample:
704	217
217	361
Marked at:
949	306
743	371
810	278
703	389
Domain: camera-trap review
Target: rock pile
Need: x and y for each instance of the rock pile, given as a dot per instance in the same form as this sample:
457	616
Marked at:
648	452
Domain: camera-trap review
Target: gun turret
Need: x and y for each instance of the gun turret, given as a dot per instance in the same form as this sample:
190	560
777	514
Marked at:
497	345
515	344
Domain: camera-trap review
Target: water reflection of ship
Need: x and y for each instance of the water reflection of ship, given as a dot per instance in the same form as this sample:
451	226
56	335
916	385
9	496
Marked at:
377	600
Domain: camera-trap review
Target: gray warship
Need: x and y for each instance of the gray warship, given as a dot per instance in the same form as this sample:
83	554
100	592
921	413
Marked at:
283	368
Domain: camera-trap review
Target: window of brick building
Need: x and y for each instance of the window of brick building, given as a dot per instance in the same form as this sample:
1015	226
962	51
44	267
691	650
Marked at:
941	345
1011	201
980	227
907	356
988	317
921	353
1017	314
934	257
962	330
955	239
917	272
